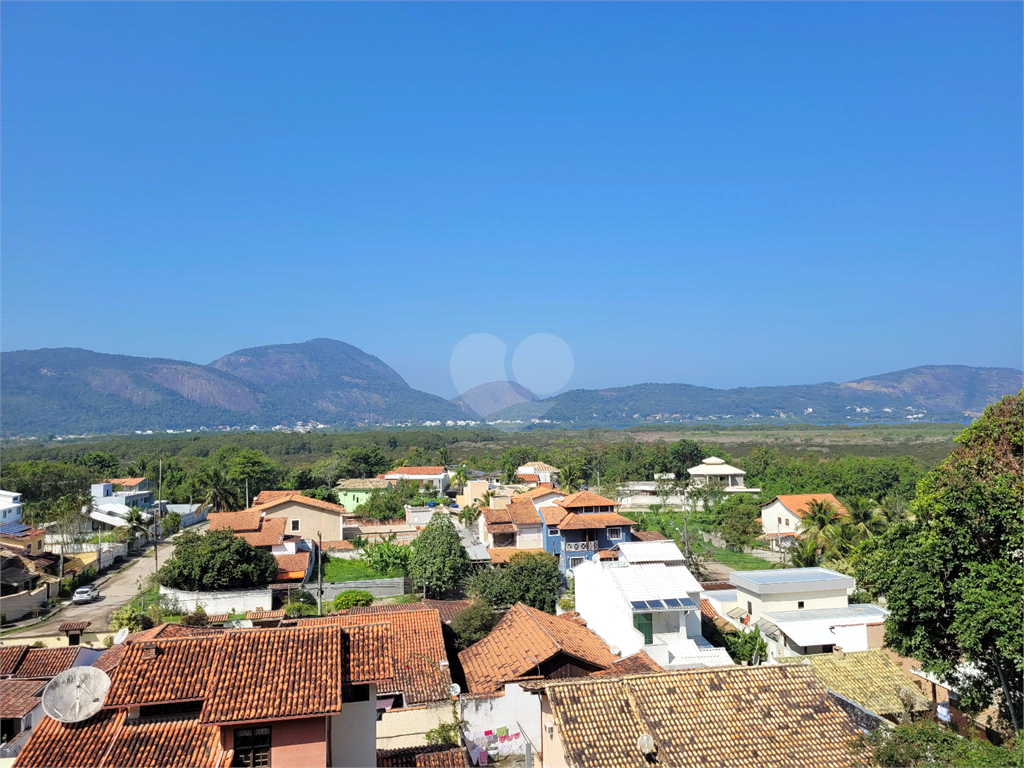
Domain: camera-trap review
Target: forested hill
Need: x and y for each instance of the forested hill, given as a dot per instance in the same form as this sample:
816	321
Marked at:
75	391
927	393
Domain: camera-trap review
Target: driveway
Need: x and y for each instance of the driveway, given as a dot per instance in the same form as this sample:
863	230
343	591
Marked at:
115	591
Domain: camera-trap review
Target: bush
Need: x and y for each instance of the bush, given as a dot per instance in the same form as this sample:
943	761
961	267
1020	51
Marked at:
171	523
352	598
108	641
303	596
197	618
387	557
568	600
473	623
297	609
155	614
530	577
131	617
217	560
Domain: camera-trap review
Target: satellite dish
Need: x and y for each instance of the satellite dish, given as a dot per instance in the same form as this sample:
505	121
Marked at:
455	689
645	743
75	694
244	624
121	636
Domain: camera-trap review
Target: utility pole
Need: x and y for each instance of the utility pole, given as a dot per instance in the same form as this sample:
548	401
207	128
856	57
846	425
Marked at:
247	492
156	528
319	570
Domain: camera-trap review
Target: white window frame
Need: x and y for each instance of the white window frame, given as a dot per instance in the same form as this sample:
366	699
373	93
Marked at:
294	524
553	530
578	560
617	533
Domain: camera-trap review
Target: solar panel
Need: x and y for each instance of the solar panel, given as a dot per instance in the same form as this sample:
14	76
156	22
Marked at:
14	529
640	605
673	603
657	605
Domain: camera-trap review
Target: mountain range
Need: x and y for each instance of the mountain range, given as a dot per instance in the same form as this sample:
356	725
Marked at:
328	382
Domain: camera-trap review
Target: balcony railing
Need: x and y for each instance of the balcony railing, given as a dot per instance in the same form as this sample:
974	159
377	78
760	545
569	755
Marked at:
580	546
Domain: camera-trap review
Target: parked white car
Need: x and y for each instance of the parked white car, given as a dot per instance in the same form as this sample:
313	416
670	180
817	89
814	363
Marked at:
85	594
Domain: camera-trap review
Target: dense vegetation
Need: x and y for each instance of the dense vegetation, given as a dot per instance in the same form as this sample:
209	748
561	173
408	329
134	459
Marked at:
214	561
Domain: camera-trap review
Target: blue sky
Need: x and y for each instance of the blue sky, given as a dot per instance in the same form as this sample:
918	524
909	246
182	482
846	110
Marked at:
716	194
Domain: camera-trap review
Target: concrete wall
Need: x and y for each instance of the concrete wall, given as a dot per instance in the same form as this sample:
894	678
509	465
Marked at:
407	727
20	604
516	710
353	733
789	601
552	753
608	614
376	587
227	601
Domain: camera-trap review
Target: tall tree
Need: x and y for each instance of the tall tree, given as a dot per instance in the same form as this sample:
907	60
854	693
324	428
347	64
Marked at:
217	492
952	577
439	562
820	515
460	477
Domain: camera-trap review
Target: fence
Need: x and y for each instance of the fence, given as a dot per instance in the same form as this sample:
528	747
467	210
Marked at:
376	587
226	601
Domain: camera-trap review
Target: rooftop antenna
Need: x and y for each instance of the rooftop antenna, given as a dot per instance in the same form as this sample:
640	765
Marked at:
75	694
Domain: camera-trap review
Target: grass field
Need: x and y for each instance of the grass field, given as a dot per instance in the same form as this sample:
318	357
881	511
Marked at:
337	569
737	560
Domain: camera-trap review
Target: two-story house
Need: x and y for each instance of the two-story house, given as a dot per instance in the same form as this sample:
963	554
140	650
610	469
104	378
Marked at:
295	561
305	517
10	507
715	472
782	517
352	493
537	473
583	526
517	527
433	477
647	600
114	499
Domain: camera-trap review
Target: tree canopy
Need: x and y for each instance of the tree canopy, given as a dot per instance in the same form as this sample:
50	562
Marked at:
214	561
438	562
529	577
952	576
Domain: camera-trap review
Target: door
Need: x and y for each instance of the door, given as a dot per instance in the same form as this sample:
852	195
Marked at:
644	623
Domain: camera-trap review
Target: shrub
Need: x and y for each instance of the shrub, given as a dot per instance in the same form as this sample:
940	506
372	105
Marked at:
131	617
171	523
473	623
38	644
530	577
108	641
296	610
352	598
387	557
155	614
568	601
197	618
303	596
216	560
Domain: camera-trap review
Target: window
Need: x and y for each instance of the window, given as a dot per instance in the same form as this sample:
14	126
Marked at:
644	623
780	521
787	522
295	526
252	747
553	531
614	534
750	609
574	561
800	604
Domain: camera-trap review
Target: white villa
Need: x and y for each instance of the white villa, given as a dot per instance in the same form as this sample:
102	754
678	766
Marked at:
10	507
714	471
800	611
433	476
647	600
538	472
781	517
110	508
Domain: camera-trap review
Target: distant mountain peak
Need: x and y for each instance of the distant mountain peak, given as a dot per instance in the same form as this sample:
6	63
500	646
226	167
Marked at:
483	400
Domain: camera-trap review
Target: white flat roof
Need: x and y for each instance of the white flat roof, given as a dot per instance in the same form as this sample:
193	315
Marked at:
650	552
773	581
653	581
815	627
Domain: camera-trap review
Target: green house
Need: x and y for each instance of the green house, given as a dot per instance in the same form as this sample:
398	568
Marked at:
352	493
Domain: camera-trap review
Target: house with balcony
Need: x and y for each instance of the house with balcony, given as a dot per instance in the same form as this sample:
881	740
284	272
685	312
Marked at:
582	526
714	472
10	507
647	600
114	499
427	477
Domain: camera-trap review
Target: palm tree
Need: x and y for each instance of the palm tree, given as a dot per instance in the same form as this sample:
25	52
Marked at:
469	514
509	475
485	499
569	477
805	554
460	477
444	456
894	507
840	538
865	514
134	526
820	515
216	491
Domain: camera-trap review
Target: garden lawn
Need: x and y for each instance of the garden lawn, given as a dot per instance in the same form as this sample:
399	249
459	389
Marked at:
338	569
738	560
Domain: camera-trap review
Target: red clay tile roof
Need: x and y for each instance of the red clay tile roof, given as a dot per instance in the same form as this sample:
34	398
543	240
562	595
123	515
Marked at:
296	497
492	515
637	664
380	608
447	608
798	503
262	674
529	478
501	555
428	756
575	522
544	489
292	566
523	632
552	514
112	657
247	520
129	481
10	658
608	554
415	634
74	626
585	499
415	471
500	528
44	662
708	615
178	671
217	618
71	745
266	496
270	532
264	615
161	742
19	697
522	512
649	536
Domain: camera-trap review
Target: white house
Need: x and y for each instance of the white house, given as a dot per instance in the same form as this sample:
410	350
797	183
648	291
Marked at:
801	611
437	477
537	472
714	471
10	507
782	517
647	600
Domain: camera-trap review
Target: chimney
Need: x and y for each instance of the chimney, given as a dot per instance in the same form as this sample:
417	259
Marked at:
149	651
838	652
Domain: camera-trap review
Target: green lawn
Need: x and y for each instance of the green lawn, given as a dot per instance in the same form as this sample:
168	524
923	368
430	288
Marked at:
738	560
338	569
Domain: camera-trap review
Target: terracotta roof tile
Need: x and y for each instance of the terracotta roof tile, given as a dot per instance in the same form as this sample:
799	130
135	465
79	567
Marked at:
544	489
446	608
162	742
524	632
129	481
247	520
768	715
264	615
649	536
19	697
270	532
522	512
708	615
290	565
74	626
266	496
637	664
529	478
71	745
416	471
428	756
552	514
45	662
501	555
10	657
296	497
798	503
217	618
492	515
575	522
364	483
500	528
585	499
159	671
382	608
868	678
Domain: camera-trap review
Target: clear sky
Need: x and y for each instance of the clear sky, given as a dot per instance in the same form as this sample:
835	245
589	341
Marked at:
716	194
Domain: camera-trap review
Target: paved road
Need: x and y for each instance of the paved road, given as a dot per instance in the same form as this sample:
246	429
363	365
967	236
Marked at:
115	591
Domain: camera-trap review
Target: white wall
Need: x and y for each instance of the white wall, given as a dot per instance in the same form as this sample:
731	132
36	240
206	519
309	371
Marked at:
230	600
606	611
516	710
789	601
407	727
354	733
530	537
771	514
